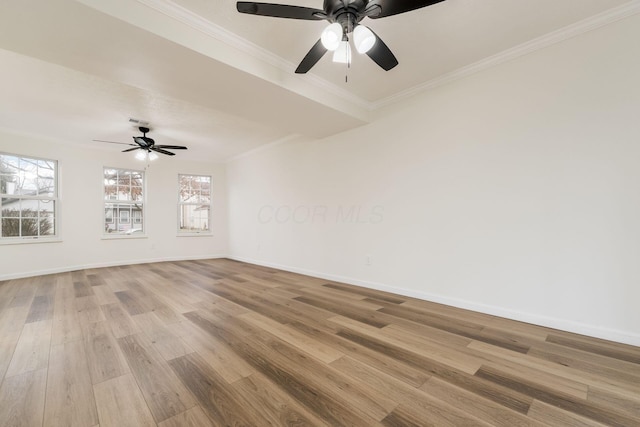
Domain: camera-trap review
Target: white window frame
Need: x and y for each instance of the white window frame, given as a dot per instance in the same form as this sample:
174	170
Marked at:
206	232
115	219
55	199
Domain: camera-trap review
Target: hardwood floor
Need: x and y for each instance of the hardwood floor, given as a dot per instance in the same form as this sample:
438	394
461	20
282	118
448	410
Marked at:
219	343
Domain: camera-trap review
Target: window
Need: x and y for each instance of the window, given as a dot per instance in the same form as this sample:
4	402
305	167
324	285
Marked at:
194	203
28	197
123	201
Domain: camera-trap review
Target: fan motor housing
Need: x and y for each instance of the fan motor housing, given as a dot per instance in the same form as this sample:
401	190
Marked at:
347	16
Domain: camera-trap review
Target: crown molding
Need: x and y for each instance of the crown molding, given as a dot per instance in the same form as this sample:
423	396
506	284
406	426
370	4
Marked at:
191	19
597	21
198	23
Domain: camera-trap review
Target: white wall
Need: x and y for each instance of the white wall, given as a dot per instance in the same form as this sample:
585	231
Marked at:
515	191
81	212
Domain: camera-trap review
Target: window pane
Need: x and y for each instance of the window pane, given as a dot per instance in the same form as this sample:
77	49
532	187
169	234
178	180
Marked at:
8	183
29	227
184	192
46	215
136	193
10	217
28	177
46	177
124	178
136	220
11	208
124	193
205	184
108	215
10	227
110	225
110	192
47	225
194	218
47	207
46	187
124	216
110	177
9	164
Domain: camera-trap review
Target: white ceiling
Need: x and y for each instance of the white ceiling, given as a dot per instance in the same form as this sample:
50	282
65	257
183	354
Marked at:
222	83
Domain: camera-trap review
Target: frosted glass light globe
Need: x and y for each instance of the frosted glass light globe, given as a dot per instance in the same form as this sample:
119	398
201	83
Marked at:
343	53
363	38
332	36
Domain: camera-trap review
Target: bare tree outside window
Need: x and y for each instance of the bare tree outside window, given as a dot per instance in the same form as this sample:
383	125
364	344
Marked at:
28	197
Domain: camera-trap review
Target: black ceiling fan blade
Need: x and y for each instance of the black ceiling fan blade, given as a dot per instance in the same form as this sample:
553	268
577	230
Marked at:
131	149
281	11
114	142
141	141
160	150
171	147
312	57
382	55
395	7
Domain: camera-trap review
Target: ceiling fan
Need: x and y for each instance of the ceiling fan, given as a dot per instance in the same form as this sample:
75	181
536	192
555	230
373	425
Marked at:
344	17
147	145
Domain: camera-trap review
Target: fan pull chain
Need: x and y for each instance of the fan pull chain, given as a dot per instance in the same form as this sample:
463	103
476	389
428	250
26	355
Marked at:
346	75
347	52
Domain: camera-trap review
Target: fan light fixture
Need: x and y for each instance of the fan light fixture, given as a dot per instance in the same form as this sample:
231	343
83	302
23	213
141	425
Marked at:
146	155
334	39
332	36
342	54
363	39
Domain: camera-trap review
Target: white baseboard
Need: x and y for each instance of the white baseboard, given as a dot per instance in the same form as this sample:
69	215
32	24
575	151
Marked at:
536	319
64	269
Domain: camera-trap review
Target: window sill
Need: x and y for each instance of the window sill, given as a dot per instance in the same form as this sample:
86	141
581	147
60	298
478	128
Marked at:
123	237
30	241
195	235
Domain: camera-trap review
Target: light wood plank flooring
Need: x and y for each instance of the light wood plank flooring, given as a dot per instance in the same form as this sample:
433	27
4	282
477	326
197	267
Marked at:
219	343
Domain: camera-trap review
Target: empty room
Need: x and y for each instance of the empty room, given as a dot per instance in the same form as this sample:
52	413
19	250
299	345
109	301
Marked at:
323	213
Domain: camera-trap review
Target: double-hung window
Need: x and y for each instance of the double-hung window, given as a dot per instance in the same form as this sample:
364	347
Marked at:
123	201
194	204
28	198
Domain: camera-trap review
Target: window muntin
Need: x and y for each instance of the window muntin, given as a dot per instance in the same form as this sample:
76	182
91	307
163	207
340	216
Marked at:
28	197
194	204
123	200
